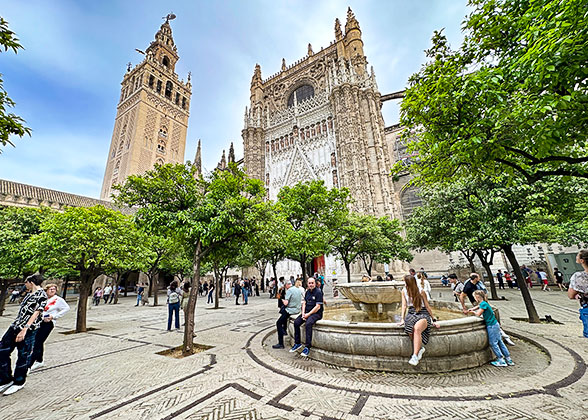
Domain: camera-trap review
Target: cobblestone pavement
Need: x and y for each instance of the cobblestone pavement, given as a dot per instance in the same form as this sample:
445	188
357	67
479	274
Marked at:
114	372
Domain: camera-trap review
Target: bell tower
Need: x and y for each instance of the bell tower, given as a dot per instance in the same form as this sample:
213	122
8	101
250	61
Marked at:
152	114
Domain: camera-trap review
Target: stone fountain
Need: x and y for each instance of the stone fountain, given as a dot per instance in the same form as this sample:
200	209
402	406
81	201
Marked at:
364	333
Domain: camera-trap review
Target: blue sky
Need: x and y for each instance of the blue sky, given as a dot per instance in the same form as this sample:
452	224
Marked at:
67	80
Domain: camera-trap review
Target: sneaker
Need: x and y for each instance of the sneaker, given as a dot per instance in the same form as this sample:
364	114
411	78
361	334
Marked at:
510	362
13	389
421	352
498	363
37	365
508	341
5	386
295	347
278	346
305	352
414	360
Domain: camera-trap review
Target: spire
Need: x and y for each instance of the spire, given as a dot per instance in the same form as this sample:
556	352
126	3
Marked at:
222	165
256	74
351	23
231	154
198	161
283	64
310	51
338	34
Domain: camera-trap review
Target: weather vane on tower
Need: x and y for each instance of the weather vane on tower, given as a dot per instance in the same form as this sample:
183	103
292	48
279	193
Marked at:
169	17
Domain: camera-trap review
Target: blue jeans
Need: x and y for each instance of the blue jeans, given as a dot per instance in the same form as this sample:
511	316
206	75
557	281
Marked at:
171	309
245	295
584	318
496	343
310	321
24	347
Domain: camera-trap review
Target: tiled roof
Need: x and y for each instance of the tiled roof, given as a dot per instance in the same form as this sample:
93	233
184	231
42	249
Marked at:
14	193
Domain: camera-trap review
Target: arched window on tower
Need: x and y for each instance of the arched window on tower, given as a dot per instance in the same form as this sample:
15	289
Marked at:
158	89
302	93
183	103
163	131
165	61
159	161
161	147
168	89
151	81
177	98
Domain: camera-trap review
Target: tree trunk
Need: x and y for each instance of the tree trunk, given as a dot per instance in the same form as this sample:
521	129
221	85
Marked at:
3	292
470	258
217	281
531	311
65	284
188	346
486	266
116	284
274	267
348	268
304	274
86	279
155	282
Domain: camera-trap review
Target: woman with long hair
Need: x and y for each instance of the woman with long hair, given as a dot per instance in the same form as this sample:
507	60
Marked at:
417	317
424	284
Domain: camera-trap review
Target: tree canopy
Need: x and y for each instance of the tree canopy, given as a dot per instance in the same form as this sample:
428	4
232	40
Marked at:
512	99
10	124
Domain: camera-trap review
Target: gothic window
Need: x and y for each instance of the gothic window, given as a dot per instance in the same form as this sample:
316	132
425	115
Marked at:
116	167
165	61
333	160
267	179
335	179
158	89
120	147
267	147
159	161
168	89
302	93
409	201
151	81
114	182
183	103
177	98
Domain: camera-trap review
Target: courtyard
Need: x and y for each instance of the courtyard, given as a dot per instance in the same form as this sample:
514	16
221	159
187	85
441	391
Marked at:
115	371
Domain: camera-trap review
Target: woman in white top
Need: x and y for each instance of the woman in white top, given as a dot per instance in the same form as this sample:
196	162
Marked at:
423	284
56	307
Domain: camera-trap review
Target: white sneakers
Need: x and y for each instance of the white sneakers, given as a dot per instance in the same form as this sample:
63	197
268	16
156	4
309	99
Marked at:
13	389
415	359
37	365
5	386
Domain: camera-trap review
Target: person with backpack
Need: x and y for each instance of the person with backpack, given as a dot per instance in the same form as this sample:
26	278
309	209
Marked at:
173	304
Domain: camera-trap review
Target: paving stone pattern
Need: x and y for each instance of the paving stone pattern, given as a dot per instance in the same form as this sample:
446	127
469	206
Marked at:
115	373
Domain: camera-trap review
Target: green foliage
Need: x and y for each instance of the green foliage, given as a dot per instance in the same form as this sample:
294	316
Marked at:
369	238
10	124
511	100
313	213
82	239
17	226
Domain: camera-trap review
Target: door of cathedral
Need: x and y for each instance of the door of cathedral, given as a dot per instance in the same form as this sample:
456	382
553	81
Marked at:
318	265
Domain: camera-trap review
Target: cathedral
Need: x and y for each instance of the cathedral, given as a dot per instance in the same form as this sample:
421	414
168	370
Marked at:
320	118
152	114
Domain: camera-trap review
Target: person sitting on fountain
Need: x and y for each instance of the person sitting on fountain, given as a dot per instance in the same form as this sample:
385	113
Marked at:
419	318
312	311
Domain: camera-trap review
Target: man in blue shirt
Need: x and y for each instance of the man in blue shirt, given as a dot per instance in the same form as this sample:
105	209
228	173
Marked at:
312	311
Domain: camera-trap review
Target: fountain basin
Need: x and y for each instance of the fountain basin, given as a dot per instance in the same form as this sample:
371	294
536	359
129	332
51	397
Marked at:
460	343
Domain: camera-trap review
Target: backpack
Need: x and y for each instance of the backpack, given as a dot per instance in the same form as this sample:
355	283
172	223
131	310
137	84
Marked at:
173	297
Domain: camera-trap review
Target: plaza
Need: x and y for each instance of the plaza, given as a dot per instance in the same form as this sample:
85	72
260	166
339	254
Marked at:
114	371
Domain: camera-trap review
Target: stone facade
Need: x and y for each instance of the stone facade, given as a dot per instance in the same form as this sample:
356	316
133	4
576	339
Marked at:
320	118
152	115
